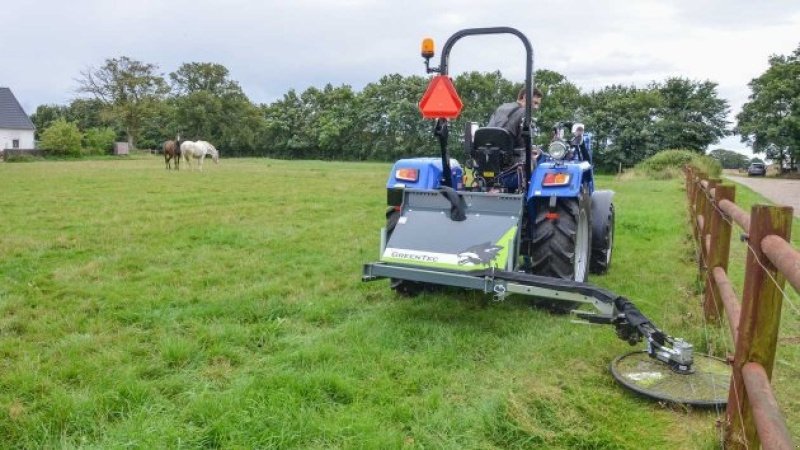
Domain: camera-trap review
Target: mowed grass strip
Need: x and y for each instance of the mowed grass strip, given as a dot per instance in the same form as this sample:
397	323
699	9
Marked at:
143	308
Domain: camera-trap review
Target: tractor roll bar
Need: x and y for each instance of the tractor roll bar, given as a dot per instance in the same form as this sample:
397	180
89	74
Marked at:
526	124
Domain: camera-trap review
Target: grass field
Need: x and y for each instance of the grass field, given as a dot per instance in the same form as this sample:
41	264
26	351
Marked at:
141	308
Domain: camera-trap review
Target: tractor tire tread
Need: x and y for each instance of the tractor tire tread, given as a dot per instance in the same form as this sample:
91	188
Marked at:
599	261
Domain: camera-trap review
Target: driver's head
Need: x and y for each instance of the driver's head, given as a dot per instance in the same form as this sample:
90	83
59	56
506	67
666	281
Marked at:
577	129
536	101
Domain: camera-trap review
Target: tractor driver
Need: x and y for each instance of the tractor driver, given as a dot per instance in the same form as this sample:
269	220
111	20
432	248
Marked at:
510	116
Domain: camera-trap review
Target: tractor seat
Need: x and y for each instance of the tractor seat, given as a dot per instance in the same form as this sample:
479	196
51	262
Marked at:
494	138
492	149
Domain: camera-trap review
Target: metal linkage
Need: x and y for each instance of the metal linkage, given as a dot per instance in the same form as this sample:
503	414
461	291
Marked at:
630	324
633	326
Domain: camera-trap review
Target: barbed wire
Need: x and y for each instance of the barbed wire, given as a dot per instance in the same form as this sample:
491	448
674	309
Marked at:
708	270
774	281
786	296
728	344
701	238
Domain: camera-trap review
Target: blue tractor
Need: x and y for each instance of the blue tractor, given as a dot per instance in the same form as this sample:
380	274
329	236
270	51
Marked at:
539	211
526	224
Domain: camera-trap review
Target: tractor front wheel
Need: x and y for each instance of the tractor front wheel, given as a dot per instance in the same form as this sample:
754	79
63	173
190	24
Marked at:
603	243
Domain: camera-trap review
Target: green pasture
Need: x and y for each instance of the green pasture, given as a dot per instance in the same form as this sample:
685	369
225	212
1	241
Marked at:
145	308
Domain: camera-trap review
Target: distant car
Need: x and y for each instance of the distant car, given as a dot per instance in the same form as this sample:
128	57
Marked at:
757	169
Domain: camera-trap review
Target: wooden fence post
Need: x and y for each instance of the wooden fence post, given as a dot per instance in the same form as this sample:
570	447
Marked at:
720	230
762	300
699	207
707	212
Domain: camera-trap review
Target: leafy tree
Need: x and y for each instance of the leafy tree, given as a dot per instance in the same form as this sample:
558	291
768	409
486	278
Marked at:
391	122
208	105
160	125
562	101
770	120
203	77
45	115
318	123
729	159
197	116
335	122
481	93
129	89
621	119
99	141
689	114
87	113
282	130
241	133
62	138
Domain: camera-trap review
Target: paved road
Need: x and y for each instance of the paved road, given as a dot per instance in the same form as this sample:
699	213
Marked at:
779	191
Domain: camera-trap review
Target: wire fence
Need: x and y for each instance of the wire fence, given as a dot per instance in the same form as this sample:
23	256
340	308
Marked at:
752	418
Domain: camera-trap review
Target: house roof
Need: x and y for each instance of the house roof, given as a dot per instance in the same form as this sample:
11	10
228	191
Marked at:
11	113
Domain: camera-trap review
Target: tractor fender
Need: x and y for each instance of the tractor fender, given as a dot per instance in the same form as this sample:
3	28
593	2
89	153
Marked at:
426	173
419	173
602	202
579	173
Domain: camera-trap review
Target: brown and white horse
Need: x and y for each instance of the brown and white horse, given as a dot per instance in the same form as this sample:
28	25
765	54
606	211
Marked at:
172	151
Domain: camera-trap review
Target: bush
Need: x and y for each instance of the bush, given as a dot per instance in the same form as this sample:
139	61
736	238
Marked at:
99	141
22	157
62	138
669	164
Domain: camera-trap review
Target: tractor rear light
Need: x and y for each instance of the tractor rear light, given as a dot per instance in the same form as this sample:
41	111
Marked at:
551	215
411	175
555	179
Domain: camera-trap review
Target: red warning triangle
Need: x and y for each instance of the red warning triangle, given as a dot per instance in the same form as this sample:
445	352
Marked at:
440	100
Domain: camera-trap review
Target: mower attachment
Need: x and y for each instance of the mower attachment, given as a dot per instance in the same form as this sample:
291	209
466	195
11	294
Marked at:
457	231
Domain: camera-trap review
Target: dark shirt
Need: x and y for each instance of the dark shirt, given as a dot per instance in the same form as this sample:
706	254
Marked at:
509	116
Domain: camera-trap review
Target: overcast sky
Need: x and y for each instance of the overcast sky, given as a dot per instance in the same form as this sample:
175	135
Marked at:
270	47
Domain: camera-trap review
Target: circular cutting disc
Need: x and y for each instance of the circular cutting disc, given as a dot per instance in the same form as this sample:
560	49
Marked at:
706	386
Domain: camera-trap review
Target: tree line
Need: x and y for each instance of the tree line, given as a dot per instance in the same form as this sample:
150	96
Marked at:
381	121
770	120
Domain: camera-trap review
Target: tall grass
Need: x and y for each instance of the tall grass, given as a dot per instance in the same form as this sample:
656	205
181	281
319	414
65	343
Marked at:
669	164
142	308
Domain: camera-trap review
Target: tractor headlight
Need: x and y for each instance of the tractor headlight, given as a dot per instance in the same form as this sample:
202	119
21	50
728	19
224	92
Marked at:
557	150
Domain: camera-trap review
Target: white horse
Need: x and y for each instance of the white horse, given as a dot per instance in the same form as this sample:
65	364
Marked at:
198	150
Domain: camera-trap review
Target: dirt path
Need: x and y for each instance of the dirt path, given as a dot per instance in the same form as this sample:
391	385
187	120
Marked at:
779	191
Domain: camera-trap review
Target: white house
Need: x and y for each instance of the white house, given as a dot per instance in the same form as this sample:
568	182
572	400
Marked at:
16	128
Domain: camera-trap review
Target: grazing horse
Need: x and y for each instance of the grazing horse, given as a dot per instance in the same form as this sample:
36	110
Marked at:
172	151
198	150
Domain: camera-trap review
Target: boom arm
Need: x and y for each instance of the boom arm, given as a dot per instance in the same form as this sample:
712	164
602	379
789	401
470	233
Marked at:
612	309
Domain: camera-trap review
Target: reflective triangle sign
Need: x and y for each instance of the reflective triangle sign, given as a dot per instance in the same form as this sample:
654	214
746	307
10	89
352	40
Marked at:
440	100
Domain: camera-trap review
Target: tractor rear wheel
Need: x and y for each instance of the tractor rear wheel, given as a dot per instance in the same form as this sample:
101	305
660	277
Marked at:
404	288
562	244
